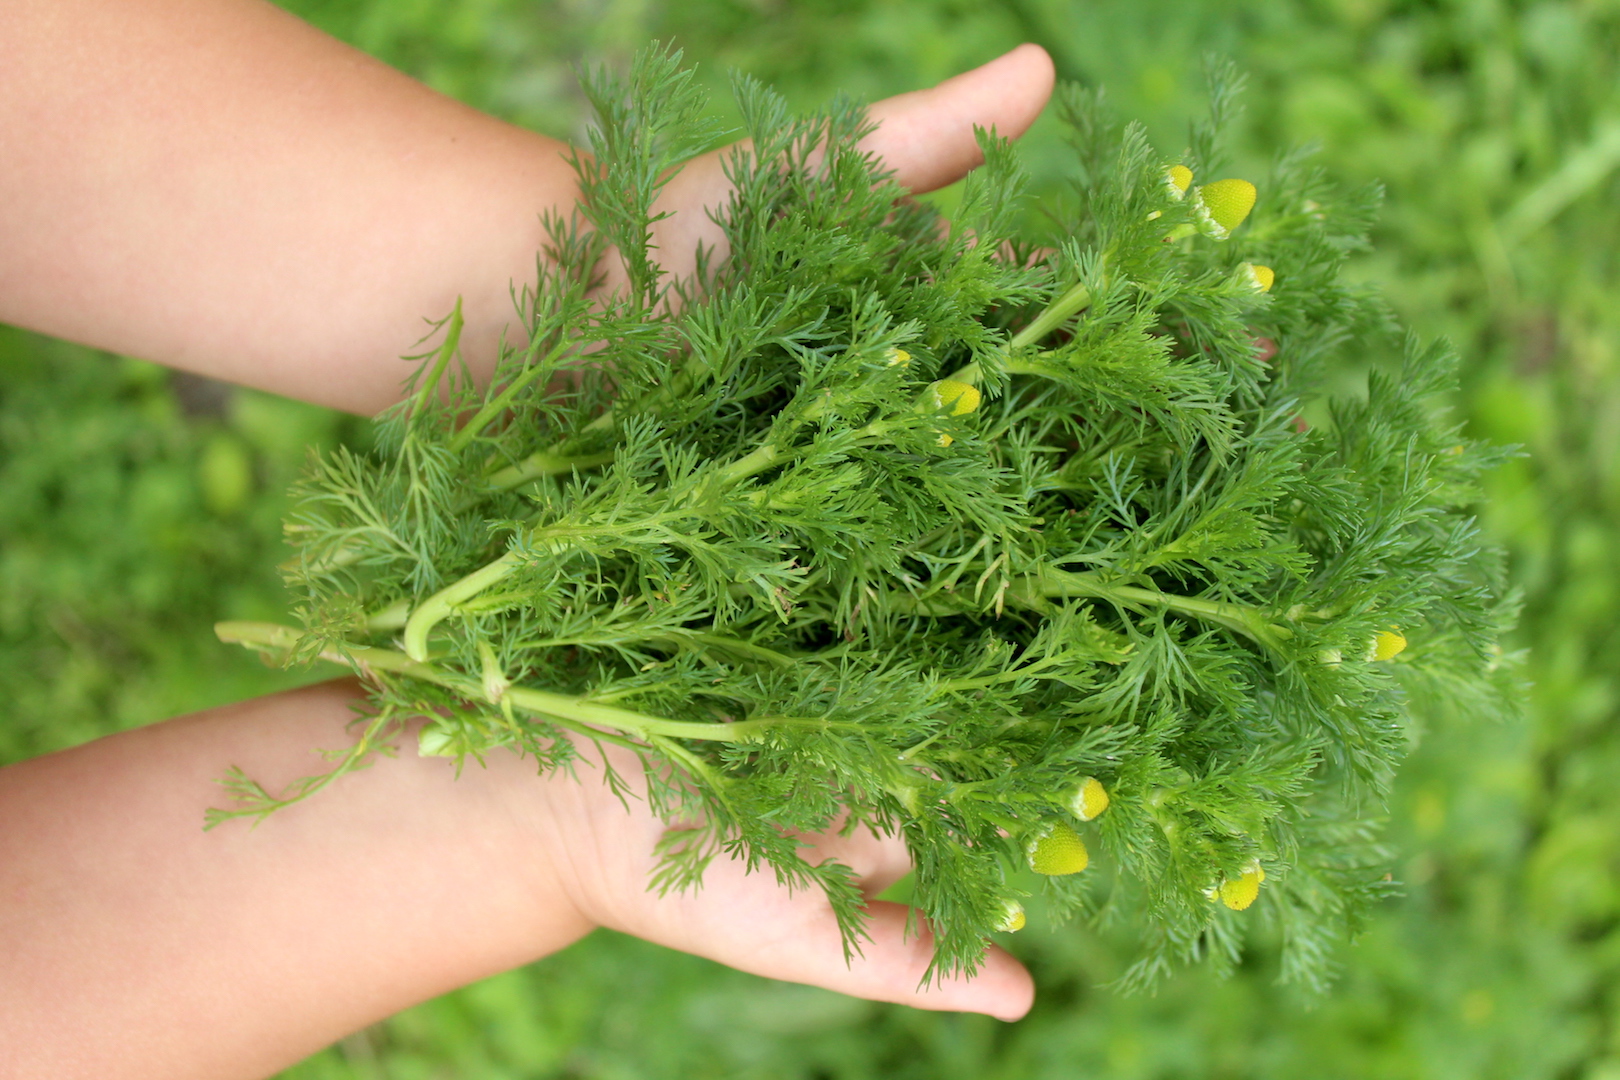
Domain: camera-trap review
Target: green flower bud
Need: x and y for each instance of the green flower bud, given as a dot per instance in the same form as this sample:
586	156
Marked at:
1057	850
1387	644
959	398
1221	206
1012	918
1260	276
1089	799
1239	892
1177	179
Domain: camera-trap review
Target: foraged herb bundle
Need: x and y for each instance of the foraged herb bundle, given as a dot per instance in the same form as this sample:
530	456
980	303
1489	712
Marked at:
1022	550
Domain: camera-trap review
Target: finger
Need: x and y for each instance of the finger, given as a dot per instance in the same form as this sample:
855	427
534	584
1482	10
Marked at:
926	136
878	861
805	947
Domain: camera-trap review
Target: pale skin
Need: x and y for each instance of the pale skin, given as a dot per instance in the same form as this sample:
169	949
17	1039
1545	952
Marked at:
216	186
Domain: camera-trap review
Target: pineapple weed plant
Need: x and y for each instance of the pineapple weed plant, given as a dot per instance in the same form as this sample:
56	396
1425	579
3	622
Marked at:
1014	550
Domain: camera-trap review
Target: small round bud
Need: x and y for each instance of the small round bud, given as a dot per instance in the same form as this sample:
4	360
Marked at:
434	741
899	358
1239	892
1089	799
959	398
1012	918
1057	850
945	440
1177	179
1260	276
1223	205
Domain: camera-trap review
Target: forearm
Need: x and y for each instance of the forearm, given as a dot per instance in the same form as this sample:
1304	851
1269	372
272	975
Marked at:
134	944
166	158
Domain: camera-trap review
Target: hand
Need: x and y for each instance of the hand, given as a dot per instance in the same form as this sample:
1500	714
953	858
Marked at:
603	858
283	212
925	136
399	882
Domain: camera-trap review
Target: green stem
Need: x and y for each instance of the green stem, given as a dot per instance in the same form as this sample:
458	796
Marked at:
498	404
441	360
430	612
568	707
1033	591
1055	315
545	463
1248	621
553	461
756	462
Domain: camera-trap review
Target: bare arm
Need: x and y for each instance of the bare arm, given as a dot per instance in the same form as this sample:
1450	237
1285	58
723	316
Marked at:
133	944
217	186
220	187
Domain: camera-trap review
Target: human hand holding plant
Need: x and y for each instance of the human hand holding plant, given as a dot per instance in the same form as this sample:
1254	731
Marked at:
272	179
606	851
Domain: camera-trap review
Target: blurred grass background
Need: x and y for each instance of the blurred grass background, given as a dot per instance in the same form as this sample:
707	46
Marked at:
137	507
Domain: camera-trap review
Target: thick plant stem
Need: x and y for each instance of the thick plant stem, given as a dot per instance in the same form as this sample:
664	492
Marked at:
564	707
430	612
1250	622
1055	315
1036	589
545	463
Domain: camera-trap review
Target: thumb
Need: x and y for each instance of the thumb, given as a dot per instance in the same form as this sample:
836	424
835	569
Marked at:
926	136
892	964
805	947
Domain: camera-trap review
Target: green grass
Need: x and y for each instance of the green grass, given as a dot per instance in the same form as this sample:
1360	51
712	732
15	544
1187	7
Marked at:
130	520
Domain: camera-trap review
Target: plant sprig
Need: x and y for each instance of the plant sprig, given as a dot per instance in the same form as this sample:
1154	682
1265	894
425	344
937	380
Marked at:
882	524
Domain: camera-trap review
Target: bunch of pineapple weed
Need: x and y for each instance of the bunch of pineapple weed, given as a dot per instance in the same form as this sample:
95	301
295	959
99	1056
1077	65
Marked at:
931	530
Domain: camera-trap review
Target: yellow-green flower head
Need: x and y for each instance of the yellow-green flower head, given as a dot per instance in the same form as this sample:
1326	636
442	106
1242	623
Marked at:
1239	892
1089	799
1177	179
1387	644
1262	277
1222	205
959	397
899	358
1057	850
1012	918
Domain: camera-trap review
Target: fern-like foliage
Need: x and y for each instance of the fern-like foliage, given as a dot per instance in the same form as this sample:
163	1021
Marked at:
922	526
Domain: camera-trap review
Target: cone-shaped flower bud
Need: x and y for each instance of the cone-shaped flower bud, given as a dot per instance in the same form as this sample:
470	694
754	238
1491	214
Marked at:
1089	799
1177	179
1012	918
1221	206
1239	892
959	398
1261	276
1057	850
1387	644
